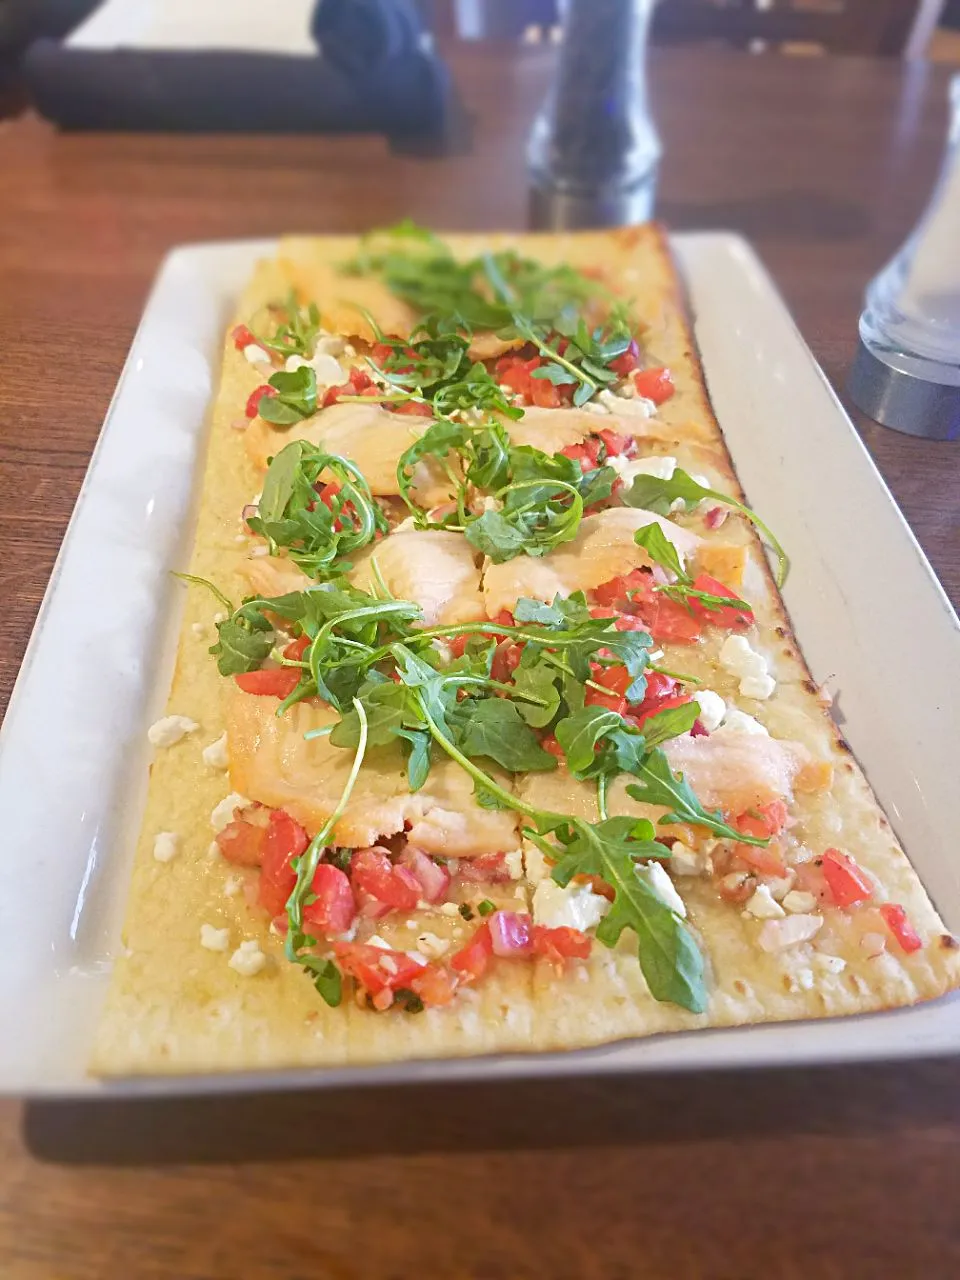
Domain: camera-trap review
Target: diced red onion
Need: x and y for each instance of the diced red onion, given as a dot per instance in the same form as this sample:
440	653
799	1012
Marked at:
715	517
511	932
433	879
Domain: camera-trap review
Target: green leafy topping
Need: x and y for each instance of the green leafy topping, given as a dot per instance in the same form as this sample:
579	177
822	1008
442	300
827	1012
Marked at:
662	551
486	907
658	784
319	534
295	329
658	495
669	956
295	400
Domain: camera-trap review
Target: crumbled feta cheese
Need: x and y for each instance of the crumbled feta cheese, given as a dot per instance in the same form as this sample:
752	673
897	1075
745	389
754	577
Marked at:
376	941
799	902
257	552
220	617
874	944
331	344
430	945
594	406
662	886
214	939
248	959
804	978
387	964
349	350
638	407
737	721
328	370
712	709
627	468
762	905
215	755
240	537
225	810
576	906
513	861
166	846
232	886
256	354
199	629
684	861
777	935
750	667
449	909
832	964
170	729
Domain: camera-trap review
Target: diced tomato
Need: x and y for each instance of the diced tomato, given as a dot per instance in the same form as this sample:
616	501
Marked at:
297	648
506	659
327	492
396	887
587	453
561	943
511	932
274	682
550	743
654	384
898	923
458	645
242	337
471	961
241	843
434	880
663	704
617	590
765	821
375	968
670	622
615	443
333	909
488	867
625	364
504	619
846	881
413	409
434	985
359	379
283	841
719	615
617	680
254	398
514	372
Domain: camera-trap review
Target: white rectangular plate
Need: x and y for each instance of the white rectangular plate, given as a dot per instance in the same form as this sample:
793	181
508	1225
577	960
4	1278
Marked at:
73	762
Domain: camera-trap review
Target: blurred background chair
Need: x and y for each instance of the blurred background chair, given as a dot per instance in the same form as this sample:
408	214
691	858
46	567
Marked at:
889	27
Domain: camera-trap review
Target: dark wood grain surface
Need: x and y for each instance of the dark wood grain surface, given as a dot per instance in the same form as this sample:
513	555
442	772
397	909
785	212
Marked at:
841	1173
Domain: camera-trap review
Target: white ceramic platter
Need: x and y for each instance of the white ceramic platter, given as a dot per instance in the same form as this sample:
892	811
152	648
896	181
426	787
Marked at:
73	761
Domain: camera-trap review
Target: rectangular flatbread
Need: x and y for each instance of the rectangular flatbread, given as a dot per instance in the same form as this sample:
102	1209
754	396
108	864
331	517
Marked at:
477	946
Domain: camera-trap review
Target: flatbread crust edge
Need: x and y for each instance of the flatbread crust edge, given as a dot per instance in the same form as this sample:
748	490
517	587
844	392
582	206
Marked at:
174	1007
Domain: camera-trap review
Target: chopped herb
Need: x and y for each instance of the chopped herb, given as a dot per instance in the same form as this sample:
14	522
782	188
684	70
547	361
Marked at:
465	911
486	907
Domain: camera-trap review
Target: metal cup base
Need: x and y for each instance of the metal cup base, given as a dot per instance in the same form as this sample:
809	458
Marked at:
901	400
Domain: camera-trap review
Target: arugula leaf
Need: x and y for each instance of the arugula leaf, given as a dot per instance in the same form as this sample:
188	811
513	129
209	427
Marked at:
580	733
386	705
659	548
418	761
658	784
658	495
241	645
565	613
669	957
536	690
204	582
319	535
296	330
296	397
495	729
494	535
670	723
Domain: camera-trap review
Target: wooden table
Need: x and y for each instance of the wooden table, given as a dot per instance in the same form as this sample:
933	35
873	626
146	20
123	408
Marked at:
839	1173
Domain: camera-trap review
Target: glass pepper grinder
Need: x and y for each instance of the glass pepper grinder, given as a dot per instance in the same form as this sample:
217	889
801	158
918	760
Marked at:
906	373
594	152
